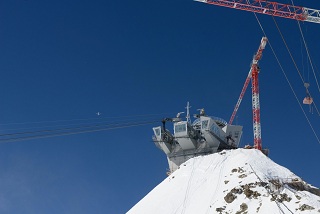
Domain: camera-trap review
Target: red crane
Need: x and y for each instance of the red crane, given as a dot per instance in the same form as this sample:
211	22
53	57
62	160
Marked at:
253	75
270	8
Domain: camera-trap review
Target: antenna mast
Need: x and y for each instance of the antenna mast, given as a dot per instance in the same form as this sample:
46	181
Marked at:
188	112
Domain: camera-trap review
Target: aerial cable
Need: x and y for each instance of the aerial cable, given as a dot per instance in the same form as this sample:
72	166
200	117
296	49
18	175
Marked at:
72	133
70	125
83	119
67	133
297	99
65	129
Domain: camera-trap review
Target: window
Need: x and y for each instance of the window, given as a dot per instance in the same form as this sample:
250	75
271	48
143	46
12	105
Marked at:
180	128
215	130
204	124
157	131
236	134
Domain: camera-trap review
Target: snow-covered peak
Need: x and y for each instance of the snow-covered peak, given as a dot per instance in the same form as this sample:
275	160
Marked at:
232	181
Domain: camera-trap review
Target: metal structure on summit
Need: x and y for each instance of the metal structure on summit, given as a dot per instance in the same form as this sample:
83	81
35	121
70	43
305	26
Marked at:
253	75
205	135
270	8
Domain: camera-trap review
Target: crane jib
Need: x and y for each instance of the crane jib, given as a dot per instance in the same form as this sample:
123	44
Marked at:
270	8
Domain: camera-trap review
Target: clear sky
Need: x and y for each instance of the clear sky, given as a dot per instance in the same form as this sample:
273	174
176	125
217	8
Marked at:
67	60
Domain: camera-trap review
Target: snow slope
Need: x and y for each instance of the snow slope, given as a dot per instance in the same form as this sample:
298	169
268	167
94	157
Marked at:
233	181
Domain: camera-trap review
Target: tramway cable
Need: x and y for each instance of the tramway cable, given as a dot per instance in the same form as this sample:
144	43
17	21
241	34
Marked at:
72	124
6	140
83	119
64	129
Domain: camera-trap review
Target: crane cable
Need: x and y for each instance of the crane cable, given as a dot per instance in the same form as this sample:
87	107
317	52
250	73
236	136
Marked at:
284	73
294	62
307	50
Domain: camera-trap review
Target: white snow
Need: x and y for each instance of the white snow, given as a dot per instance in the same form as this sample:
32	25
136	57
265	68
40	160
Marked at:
201	184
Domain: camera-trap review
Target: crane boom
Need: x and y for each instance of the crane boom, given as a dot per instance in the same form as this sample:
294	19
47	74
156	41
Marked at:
246	83
270	8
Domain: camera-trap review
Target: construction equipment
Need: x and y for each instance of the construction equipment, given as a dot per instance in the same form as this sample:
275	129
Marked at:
270	8
253	75
255	95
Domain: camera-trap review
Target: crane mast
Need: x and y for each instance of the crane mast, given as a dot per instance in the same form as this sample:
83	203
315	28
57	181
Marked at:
255	95
253	74
270	8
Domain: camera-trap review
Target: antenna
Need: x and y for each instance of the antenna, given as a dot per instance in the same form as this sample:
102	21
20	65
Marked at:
188	113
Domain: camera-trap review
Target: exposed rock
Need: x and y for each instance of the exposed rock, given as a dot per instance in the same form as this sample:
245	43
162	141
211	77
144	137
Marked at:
240	170
243	208
225	182
285	197
262	184
258	208
229	198
256	194
250	185
305	207
242	176
236	191
220	209
296	186
301	186
314	191
234	170
248	192
281	197
298	197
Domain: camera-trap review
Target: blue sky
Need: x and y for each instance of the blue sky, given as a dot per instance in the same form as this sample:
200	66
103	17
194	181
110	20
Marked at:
67	60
